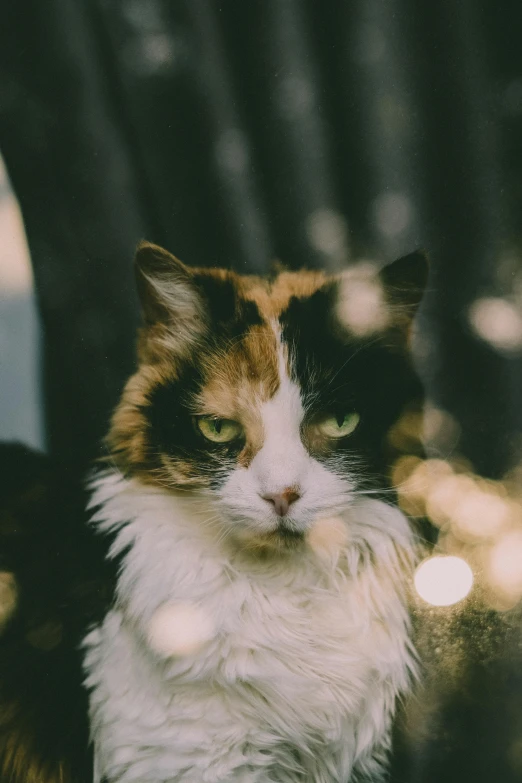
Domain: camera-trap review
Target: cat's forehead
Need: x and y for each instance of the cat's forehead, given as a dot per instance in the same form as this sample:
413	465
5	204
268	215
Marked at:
258	329
244	366
273	296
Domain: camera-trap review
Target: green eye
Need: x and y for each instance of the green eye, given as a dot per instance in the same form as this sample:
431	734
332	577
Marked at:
339	426
219	430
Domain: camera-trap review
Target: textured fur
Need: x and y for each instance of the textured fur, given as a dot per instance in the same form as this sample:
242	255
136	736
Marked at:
300	680
224	637
303	644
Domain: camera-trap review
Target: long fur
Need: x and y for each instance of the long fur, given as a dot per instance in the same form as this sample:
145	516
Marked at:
237	605
300	679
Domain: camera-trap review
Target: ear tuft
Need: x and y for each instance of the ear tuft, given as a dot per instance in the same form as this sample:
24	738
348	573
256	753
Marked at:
165	286
405	280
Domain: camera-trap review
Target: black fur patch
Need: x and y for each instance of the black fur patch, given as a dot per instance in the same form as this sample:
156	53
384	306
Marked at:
229	315
172	431
171	406
338	373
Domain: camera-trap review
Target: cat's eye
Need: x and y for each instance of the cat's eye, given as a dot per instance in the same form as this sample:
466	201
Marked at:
219	430
338	426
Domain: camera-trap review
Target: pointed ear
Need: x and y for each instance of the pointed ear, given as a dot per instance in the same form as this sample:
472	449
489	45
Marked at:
165	287
404	282
372	301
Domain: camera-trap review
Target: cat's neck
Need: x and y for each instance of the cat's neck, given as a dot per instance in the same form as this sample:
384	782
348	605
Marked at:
171	545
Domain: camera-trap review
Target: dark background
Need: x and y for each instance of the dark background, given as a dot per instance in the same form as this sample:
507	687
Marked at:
318	132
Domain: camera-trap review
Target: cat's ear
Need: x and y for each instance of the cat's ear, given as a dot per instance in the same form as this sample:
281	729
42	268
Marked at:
165	287
372	301
404	282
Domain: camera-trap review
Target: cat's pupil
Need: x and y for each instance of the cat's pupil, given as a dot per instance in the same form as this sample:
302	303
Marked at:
218	425
340	417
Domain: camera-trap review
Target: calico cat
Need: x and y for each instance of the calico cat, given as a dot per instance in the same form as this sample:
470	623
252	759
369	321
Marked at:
234	590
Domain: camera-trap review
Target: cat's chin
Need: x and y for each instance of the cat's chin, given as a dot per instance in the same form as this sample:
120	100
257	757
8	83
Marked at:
280	540
325	537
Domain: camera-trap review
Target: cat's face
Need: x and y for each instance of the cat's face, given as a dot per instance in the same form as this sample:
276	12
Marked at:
272	398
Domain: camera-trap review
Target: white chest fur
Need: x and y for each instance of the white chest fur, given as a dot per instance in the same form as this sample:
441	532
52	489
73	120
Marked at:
300	667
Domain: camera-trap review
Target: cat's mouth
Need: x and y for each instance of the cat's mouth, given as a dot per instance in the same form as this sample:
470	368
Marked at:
288	534
282	539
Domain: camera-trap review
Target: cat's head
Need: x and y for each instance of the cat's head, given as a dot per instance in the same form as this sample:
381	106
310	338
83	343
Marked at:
272	397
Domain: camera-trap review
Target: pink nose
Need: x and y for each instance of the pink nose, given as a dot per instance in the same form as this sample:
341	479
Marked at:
282	500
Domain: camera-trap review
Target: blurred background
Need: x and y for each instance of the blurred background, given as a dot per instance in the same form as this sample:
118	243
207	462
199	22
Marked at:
323	133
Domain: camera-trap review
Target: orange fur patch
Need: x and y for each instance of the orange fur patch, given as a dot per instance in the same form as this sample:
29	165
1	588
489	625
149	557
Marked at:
127	440
239	380
238	377
273	297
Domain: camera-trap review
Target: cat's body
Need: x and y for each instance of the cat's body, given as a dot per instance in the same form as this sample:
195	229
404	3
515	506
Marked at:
299	677
258	630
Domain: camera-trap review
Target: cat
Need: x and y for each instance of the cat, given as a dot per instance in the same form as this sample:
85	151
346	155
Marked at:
245	619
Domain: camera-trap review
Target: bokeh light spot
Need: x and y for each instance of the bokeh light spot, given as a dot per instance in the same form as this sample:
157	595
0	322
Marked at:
232	150
327	231
393	213
505	565
497	321
370	46
362	306
296	96
443	580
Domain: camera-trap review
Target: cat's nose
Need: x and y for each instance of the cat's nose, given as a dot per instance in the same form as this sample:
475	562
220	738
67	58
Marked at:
282	501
